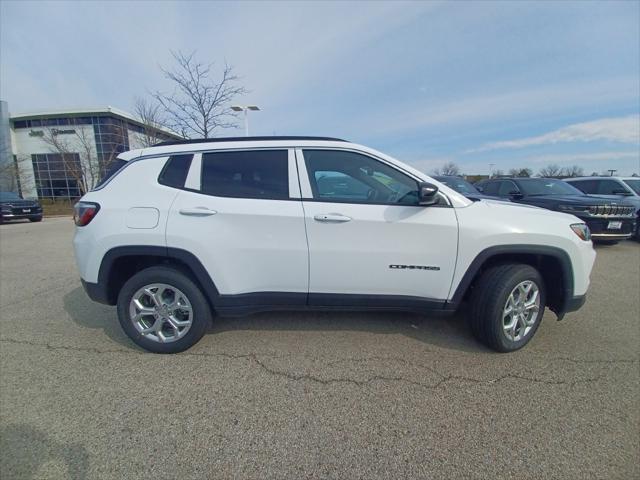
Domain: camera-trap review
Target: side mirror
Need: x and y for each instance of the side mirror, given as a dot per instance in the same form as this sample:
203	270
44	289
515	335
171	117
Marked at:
479	188
427	194
515	194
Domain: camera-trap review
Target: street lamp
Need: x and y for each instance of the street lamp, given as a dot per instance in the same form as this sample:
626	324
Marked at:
245	109
491	165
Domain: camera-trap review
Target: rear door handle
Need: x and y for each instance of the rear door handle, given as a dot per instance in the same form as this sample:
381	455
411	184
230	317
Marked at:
197	211
331	218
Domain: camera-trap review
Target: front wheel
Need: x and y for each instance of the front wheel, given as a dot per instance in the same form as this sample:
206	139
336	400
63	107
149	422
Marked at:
162	310
35	219
507	305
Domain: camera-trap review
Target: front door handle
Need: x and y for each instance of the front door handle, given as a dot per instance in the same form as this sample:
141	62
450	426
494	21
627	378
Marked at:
331	218
197	211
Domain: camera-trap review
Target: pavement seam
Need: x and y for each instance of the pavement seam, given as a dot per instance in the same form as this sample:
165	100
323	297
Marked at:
327	381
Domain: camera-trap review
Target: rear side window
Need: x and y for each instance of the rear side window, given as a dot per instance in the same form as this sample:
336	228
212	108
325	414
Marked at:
175	171
490	188
246	174
507	188
587	186
610	187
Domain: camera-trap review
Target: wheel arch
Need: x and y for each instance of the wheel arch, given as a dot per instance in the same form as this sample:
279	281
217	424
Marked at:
554	264
120	263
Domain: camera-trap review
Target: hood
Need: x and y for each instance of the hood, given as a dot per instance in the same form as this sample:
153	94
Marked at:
481	196
572	200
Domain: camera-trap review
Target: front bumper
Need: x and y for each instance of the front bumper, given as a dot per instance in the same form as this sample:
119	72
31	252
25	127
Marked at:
600	230
20	216
572	304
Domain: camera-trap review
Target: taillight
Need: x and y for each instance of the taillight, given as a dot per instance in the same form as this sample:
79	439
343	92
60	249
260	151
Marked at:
83	212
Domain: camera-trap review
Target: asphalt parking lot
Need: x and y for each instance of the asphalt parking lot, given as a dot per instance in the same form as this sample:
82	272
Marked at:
310	395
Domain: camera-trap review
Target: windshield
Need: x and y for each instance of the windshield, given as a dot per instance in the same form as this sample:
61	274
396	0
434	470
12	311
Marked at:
7	196
546	186
459	185
634	184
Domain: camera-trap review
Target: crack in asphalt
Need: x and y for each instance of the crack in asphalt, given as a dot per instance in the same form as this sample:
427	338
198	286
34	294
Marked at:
443	379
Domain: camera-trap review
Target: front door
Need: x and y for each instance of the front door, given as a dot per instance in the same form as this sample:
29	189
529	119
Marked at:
367	235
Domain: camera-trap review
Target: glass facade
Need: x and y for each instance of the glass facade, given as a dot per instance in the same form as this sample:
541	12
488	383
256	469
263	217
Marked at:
112	138
53	175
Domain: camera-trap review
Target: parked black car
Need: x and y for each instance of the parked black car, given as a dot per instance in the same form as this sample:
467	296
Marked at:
609	220
626	189
465	188
14	207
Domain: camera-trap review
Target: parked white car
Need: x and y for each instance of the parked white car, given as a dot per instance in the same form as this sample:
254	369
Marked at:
240	225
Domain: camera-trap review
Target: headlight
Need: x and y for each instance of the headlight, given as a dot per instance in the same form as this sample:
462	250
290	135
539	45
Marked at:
581	230
573	208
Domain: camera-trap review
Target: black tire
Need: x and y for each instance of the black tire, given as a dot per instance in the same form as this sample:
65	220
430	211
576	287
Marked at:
200	308
489	299
35	219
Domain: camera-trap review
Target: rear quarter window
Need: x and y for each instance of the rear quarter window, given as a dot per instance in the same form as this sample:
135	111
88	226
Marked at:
114	167
175	171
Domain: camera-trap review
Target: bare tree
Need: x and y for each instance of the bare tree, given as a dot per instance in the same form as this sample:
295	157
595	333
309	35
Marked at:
551	171
15	174
573	171
450	168
498	173
520	172
79	157
199	104
152	119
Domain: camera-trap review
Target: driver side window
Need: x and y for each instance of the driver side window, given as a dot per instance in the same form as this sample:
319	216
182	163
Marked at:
340	176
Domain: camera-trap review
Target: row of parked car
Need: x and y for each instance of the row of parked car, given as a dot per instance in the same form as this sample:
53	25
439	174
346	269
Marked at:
610	206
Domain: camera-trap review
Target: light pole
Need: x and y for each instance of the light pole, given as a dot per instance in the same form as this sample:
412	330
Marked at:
491	165
245	109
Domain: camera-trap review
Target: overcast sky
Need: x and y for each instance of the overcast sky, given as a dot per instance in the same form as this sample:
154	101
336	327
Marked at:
512	83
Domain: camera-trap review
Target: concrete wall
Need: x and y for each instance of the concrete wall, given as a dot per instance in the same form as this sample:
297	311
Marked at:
25	144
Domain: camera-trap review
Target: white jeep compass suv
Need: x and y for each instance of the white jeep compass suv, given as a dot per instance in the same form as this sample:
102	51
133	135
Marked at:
240	225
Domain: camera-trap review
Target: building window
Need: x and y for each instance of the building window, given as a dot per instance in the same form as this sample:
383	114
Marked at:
53	175
112	138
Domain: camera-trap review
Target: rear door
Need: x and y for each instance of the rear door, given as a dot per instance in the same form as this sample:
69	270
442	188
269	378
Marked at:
241	216
368	237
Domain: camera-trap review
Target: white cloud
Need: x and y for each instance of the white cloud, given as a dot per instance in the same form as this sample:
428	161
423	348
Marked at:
620	129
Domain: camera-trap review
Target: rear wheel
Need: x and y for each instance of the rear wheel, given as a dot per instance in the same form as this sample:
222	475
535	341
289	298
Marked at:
507	305
35	219
162	310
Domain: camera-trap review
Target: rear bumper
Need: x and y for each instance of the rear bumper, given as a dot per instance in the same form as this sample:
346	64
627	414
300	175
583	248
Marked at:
96	292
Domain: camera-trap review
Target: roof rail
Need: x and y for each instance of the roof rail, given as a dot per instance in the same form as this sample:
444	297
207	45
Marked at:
244	139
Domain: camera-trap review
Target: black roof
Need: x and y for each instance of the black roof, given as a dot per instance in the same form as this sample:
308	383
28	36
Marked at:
244	139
